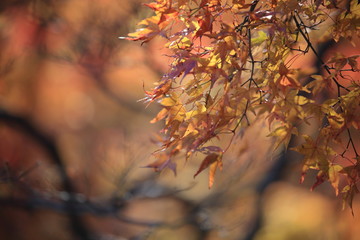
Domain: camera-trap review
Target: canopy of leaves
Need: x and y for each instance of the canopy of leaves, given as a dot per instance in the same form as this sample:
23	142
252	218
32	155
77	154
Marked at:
232	64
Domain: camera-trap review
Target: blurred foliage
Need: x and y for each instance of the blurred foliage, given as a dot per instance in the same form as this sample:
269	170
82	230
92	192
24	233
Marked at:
74	139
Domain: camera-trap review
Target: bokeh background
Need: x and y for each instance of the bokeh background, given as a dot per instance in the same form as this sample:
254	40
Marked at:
64	71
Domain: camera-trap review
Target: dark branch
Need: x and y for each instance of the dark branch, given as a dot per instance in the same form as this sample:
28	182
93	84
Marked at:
49	146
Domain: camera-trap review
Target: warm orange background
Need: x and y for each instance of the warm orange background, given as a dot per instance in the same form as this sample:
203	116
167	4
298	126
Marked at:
63	67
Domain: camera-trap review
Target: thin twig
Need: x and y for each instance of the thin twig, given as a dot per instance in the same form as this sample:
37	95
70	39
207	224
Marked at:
308	42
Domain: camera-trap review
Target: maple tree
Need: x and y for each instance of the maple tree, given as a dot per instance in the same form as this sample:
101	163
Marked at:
233	64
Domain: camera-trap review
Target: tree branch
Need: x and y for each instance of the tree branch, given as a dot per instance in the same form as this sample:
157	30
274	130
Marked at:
24	125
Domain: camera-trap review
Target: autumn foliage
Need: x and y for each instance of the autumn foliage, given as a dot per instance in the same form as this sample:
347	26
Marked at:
233	63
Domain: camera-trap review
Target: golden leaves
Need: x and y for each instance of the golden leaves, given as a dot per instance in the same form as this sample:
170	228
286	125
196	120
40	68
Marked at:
233	63
262	37
283	135
347	23
155	25
150	30
351	105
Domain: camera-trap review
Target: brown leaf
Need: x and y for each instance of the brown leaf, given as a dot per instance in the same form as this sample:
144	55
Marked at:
160	165
212	171
161	115
208	160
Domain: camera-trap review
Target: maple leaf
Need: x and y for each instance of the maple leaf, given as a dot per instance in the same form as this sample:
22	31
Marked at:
212	161
204	24
283	135
163	9
150	30
157	92
320	178
349	192
286	78
161	164
159	5
334	176
161	115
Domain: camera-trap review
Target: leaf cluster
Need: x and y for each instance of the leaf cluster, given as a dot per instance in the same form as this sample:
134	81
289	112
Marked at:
232	65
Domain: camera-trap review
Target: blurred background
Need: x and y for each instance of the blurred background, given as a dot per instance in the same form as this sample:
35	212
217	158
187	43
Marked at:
70	121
